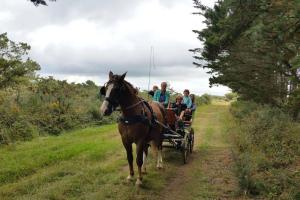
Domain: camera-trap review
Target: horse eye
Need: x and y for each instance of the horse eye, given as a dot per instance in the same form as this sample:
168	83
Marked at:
102	91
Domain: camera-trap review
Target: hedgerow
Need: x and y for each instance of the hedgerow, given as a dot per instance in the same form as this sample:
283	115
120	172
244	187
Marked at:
267	150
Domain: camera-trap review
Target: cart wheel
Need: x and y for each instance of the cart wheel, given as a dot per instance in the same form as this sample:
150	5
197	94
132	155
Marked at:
185	148
192	140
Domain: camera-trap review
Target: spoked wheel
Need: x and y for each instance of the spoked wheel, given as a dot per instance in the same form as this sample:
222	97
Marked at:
185	148
192	140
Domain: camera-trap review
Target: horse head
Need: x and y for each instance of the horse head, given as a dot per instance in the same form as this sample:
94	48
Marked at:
112	91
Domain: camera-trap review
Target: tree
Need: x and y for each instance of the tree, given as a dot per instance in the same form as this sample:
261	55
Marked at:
40	2
15	67
253	47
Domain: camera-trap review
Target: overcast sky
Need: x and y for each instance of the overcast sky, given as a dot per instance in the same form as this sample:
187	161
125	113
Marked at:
84	39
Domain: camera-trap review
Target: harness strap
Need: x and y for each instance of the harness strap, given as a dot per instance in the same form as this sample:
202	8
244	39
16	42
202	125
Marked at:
132	106
140	118
135	119
153	116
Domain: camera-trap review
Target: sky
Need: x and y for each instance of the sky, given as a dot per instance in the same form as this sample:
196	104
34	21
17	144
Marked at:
85	39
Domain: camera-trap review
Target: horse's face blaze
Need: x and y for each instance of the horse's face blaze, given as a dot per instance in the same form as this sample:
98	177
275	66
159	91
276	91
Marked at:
112	93
106	107
109	110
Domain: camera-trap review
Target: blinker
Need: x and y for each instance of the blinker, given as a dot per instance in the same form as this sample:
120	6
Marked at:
102	91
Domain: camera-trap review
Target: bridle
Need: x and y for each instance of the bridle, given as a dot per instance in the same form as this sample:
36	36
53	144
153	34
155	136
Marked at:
113	97
114	101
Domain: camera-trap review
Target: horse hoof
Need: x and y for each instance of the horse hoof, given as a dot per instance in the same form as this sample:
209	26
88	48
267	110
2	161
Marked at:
159	167
138	182
129	178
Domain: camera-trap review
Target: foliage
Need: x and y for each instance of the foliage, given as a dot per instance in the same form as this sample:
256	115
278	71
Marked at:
253	47
14	68
30	105
48	106
267	148
203	99
40	2
231	96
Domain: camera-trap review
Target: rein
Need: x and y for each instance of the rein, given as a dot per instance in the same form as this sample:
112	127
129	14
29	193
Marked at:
134	105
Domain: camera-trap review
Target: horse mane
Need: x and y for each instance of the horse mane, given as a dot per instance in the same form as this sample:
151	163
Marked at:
131	88
127	85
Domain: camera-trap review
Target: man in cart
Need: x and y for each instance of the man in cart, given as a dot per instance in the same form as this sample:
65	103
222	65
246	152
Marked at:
162	95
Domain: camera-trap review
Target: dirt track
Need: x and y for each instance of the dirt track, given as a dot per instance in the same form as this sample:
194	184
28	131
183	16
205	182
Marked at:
209	173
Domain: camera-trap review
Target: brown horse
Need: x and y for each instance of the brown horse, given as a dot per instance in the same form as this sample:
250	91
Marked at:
137	124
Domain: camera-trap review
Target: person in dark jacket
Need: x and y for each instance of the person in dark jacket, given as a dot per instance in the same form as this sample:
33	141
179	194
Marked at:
179	107
152	92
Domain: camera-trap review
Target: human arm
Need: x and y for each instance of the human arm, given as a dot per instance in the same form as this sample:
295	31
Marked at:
189	103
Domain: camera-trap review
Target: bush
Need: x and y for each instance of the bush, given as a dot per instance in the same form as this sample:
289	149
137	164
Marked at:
231	96
13	123
267	148
48	106
204	99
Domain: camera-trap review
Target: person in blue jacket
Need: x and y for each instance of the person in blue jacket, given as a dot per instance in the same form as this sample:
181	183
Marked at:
162	95
187	99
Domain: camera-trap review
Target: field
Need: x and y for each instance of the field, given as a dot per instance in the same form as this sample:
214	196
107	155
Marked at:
91	164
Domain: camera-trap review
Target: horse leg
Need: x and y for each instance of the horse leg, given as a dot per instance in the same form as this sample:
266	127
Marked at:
157	153
145	154
139	161
159	157
128	147
157	148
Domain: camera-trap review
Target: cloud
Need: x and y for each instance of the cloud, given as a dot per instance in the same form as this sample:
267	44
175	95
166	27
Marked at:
76	40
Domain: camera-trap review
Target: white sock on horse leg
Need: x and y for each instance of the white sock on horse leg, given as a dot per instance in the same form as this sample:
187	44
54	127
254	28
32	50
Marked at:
144	161
159	159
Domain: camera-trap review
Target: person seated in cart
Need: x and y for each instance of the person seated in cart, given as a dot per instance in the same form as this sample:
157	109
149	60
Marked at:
179	108
162	95
194	106
189	112
187	99
189	104
152	92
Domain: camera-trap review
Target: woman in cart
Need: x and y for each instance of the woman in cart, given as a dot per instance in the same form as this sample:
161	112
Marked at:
179	108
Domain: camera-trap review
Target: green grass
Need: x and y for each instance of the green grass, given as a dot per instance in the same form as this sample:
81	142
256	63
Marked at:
212	178
91	164
26	158
83	164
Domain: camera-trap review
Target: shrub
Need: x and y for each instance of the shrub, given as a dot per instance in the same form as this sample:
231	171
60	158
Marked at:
204	99
13	123
231	96
267	149
48	106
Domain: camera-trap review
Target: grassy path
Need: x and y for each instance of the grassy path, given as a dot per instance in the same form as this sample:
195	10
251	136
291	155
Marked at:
91	164
209	174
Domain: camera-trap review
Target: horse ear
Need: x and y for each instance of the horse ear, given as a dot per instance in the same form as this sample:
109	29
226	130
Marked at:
123	76
110	75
